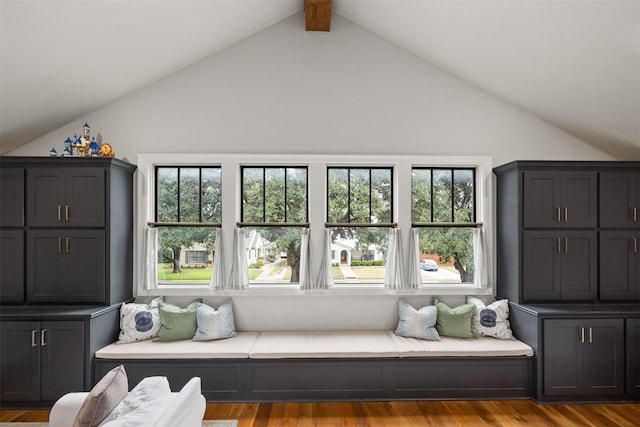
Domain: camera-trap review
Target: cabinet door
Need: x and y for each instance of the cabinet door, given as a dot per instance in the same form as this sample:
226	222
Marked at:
604	356
46	193
62	358
633	356
67	197
541	265
11	197
85	266
20	361
620	199
578	265
560	199
542	199
619	265
46	257
579	206
66	265
563	361
583	356
559	265
85	198
11	266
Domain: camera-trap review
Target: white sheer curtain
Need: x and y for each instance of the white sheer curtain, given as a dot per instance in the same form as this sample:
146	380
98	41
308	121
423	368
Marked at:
325	279
481	259
414	280
239	275
217	278
393	264
306	282
150	251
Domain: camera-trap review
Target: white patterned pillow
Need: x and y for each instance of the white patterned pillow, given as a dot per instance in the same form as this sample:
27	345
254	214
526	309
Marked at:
420	323
215	324
490	320
139	322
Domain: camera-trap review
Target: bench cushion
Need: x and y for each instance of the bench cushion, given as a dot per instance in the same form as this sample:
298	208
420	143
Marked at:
448	346
323	344
237	347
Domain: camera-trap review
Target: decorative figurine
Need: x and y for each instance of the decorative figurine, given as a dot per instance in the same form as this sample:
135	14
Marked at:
53	152
106	150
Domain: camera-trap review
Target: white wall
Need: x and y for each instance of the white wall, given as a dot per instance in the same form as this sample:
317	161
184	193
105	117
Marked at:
284	90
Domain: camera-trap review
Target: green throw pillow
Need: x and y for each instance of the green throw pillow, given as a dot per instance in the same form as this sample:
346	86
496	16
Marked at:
454	322
177	323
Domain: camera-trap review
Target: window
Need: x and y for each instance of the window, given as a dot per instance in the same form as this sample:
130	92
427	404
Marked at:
188	205
353	215
359	213
274	210
443	207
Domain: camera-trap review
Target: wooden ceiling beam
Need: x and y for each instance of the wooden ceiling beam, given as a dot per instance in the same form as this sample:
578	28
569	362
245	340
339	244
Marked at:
317	14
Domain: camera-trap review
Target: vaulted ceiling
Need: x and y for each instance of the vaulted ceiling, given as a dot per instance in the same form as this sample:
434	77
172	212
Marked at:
572	63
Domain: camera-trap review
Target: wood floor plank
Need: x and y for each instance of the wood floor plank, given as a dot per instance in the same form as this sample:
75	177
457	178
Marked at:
507	413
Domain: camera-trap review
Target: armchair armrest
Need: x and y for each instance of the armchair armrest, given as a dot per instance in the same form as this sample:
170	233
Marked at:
64	411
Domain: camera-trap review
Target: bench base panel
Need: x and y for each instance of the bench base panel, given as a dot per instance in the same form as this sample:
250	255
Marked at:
298	380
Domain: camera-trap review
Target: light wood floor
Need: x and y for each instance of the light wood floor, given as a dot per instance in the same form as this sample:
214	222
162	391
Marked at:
511	413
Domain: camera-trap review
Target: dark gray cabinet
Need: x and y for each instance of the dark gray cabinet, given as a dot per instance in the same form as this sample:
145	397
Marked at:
11	265
65	265
76	216
47	351
560	199
620	199
66	197
11	197
583	357
633	356
559	265
41	360
619	265
541	204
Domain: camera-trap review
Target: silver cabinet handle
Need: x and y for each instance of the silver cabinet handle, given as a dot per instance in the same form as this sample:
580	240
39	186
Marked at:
590	335
66	213
566	214
43	340
33	338
635	214
558	213
566	244
68	245
582	335
59	213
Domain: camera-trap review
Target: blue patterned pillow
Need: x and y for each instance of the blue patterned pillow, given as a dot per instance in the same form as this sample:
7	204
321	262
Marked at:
139	322
215	324
490	320
414	323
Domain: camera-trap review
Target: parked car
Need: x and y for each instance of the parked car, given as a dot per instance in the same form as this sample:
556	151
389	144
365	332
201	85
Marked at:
428	265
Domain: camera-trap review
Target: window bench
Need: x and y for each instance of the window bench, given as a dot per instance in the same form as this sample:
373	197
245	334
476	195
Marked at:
332	365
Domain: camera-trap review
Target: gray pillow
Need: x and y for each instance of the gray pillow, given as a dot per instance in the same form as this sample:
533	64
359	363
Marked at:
215	324
414	323
102	398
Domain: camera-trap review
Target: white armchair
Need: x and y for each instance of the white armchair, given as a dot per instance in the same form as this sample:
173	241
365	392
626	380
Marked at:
142	406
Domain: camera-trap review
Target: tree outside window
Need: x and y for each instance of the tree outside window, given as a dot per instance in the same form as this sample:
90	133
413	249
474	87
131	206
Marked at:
274	205
443	206
188	202
359	213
